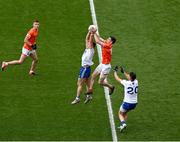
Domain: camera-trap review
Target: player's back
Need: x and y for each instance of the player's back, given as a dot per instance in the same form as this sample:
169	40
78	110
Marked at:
130	91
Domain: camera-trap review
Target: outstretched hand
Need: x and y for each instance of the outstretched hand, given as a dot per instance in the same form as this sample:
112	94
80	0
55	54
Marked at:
122	69
115	68
34	46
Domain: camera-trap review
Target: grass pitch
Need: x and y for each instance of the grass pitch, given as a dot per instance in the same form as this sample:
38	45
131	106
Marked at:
38	108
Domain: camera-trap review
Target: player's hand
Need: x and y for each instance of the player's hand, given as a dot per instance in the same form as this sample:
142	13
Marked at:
94	31
34	46
91	32
115	69
122	69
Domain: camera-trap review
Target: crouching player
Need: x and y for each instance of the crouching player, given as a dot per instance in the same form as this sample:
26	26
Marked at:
130	95
85	70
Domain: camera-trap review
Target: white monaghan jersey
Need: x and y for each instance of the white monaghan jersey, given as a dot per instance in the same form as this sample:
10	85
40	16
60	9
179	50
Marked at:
87	57
130	91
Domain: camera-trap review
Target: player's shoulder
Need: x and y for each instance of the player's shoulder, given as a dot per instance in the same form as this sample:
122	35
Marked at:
133	83
123	81
32	31
136	81
107	44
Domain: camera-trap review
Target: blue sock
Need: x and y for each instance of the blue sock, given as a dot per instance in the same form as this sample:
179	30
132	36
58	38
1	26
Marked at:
123	122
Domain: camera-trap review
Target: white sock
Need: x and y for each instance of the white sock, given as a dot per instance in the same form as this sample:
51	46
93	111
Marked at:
77	98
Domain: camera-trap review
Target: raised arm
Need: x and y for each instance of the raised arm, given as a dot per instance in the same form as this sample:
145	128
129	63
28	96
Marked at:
98	39
91	38
88	36
117	77
115	74
125	73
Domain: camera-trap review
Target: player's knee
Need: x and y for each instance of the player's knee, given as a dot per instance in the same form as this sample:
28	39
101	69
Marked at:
79	84
20	62
93	76
100	82
122	113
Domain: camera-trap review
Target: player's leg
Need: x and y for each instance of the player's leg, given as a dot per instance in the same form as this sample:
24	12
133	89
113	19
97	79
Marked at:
83	75
14	62
34	57
103	78
123	116
103	81
80	86
93	77
88	95
80	83
87	82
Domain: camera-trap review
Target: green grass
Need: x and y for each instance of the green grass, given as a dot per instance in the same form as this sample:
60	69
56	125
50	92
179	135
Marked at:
38	108
148	36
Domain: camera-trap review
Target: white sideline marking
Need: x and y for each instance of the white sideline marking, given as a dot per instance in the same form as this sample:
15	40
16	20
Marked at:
106	91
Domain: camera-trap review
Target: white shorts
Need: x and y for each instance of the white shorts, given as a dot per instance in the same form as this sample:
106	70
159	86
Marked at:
103	69
27	52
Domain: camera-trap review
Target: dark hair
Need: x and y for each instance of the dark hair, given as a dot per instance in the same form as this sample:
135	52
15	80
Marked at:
36	21
132	76
113	39
94	44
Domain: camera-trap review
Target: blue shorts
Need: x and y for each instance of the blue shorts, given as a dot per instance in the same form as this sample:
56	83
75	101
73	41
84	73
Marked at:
85	72
127	107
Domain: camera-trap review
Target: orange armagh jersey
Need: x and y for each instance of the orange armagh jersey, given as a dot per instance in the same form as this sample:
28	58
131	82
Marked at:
32	34
106	53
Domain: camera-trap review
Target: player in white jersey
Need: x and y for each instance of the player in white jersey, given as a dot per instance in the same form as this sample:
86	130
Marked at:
130	95
85	70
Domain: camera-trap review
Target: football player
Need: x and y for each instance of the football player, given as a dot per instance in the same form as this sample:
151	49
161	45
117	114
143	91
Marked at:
85	70
28	50
130	95
104	68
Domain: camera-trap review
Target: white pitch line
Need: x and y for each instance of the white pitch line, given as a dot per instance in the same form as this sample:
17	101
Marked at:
106	91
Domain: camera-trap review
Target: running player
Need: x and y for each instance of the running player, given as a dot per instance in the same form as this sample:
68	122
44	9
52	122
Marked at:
85	69
104	68
29	49
130	95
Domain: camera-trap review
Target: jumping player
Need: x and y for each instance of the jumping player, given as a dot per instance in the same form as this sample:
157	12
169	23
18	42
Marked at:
29	49
104	68
130	95
85	69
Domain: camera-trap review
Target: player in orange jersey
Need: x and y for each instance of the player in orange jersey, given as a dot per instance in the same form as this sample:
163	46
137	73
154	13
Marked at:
29	49
104	67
